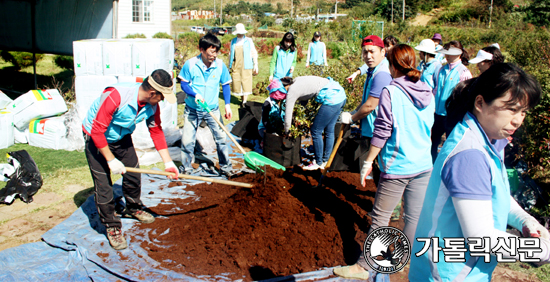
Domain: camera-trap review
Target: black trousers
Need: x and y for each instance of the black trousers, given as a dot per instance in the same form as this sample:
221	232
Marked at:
438	129
124	151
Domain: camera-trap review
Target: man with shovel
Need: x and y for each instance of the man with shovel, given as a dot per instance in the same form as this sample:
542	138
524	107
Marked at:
107	131
201	77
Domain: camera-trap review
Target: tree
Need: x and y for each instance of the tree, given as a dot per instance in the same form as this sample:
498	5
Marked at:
538	13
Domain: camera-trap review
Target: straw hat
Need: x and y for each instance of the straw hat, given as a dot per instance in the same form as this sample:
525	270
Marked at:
426	46
239	29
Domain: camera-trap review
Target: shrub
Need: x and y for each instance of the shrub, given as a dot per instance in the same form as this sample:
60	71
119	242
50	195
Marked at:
333	50
162	35
136	35
64	62
538	13
20	59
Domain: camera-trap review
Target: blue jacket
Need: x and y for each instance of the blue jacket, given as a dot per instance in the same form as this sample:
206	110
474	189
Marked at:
439	219
446	81
429	70
248	63
405	151
126	116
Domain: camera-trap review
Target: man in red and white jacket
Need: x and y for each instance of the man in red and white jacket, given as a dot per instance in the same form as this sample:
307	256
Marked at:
107	130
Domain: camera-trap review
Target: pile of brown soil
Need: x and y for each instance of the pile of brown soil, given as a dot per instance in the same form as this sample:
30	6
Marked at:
285	225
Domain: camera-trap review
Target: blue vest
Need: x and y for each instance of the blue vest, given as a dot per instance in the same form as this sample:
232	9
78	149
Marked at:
405	151
125	117
438	56
446	82
331	94
284	62
316	57
274	112
204	83
438	217
428	72
367	123
248	64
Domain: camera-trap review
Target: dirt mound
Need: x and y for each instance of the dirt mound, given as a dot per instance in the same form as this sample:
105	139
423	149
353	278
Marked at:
282	226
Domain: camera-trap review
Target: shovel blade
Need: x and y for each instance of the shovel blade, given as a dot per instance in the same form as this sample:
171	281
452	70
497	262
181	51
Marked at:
255	161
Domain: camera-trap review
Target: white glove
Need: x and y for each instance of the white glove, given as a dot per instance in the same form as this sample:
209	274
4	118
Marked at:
116	166
365	172
198	97
171	167
228	112
352	77
345	118
291	69
255	69
532	228
270	78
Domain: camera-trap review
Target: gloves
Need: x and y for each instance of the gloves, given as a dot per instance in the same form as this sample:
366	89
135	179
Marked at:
228	113
345	118
352	77
171	167
365	171
116	166
532	228
199	97
255	70
291	69
270	78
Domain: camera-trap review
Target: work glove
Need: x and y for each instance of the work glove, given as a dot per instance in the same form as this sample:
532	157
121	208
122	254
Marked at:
171	167
307	65
228	112
198	97
345	118
532	228
270	78
116	166
365	172
255	70
291	69
352	77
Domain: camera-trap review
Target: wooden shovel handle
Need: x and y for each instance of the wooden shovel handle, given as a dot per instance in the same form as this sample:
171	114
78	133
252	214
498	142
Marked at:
228	133
343	128
185	176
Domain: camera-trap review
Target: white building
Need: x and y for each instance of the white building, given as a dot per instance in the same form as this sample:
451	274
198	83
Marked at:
141	16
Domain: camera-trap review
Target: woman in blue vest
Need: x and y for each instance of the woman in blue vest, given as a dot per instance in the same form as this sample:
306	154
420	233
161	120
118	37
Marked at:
429	66
243	63
468	195
283	61
446	79
317	53
401	140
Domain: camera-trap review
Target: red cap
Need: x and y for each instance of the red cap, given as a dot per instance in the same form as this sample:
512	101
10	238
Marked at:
373	40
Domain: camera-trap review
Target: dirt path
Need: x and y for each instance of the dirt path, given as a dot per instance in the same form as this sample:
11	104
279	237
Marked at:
423	19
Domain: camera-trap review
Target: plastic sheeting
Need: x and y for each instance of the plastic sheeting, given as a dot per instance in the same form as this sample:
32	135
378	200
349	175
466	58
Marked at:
70	250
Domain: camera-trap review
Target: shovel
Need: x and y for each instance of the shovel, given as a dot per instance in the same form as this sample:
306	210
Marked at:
252	160
185	176
333	154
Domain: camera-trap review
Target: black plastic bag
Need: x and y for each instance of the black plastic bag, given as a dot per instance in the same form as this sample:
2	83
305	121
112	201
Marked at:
283	151
249	118
24	182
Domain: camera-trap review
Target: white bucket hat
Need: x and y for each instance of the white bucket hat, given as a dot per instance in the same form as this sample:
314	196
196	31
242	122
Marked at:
452	51
239	29
481	56
426	46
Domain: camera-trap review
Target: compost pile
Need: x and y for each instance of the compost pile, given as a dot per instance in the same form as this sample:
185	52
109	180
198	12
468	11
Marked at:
285	225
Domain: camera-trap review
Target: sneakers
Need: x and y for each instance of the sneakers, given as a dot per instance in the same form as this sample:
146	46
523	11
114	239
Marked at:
312	166
143	216
117	241
324	165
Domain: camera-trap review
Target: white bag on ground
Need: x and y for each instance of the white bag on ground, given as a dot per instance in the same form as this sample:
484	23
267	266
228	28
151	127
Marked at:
88	89
48	133
21	136
6	128
4	100
151	156
36	104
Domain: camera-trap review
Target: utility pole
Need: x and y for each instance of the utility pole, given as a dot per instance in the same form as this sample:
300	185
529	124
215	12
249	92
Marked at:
335	9
490	13
214	9
291	8
392	11
221	11
403	10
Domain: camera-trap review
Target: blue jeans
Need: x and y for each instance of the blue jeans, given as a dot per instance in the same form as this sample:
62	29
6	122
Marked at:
192	118
324	122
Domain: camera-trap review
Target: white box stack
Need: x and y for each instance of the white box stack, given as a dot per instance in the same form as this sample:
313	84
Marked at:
152	54
87	56
117	57
88	88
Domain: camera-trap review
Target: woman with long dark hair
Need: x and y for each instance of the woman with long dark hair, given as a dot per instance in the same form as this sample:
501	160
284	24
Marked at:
283	61
468	196
401	141
446	79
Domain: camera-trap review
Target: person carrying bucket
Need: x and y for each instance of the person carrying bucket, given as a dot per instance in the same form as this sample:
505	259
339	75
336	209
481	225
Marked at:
445	81
108	128
201	77
378	76
317	53
284	57
429	65
273	111
468	196
401	141
243	63
487	57
331	96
